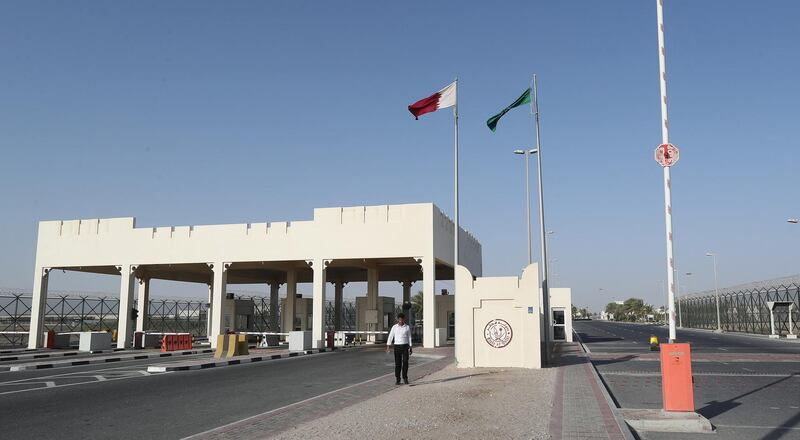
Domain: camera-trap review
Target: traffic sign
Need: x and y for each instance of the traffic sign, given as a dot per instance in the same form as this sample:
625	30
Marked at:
667	155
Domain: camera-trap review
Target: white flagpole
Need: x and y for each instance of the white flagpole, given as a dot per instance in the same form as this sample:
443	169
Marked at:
542	231
667	180
455	233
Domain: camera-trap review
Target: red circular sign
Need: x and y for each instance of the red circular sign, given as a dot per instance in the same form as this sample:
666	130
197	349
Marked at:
667	155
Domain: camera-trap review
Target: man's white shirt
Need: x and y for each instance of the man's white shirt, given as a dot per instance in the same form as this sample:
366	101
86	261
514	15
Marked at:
401	335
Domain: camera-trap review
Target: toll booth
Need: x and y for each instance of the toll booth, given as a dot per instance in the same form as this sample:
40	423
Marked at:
238	315
445	318
777	307
303	308
380	319
560	314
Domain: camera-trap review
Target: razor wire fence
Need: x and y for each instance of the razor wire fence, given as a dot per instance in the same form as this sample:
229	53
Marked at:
744	308
73	312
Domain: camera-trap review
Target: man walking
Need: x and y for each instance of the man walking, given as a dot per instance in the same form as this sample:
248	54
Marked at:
401	336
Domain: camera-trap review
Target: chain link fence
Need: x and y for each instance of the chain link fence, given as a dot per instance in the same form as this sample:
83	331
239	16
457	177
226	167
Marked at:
743	308
71	312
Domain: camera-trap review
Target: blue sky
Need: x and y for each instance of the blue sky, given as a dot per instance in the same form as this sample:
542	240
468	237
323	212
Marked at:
183	113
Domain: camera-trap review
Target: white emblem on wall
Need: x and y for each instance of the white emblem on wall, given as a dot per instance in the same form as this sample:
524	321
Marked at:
497	333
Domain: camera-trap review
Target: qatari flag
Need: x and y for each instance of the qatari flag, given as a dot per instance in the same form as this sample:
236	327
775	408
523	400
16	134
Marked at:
442	99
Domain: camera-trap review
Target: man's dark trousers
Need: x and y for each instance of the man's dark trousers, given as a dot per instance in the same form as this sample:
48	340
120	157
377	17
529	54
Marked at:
401	361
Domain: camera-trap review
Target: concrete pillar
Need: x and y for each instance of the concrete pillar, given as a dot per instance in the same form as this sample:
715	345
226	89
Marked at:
407	299
337	304
143	305
220	287
428	301
318	314
274	305
373	287
124	321
291	295
407	291
38	307
208	310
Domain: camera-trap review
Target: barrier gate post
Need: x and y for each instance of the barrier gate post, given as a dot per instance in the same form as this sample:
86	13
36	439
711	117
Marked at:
676	377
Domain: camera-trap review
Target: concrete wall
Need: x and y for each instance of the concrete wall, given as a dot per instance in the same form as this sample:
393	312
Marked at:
481	303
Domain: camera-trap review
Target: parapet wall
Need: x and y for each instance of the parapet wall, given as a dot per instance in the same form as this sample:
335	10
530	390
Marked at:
382	231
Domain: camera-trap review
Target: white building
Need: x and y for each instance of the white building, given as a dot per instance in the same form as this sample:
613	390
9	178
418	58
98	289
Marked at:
404	243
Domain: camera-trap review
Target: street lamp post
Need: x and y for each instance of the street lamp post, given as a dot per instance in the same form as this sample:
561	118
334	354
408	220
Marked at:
527	154
716	290
680	300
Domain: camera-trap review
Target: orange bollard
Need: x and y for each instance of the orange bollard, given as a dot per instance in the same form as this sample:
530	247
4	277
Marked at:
676	377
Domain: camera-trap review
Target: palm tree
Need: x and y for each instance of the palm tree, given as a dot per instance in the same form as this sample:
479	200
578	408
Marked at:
416	304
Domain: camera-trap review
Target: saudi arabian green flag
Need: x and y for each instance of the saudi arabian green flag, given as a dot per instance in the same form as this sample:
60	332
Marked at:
525	98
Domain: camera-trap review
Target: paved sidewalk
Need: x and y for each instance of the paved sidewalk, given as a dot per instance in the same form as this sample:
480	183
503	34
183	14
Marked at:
452	403
333	404
582	409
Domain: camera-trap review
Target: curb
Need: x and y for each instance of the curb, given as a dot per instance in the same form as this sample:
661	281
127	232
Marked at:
100	361
624	428
226	363
761	336
34	353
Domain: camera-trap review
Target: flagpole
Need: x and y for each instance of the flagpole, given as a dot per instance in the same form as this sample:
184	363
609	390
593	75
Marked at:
542	231
455	233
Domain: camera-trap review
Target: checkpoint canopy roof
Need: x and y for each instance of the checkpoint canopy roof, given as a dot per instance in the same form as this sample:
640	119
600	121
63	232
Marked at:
350	239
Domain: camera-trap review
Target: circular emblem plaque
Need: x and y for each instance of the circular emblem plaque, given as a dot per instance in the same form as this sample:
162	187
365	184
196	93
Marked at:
497	333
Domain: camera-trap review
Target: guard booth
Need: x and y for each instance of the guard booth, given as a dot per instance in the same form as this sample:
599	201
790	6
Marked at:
303	308
445	318
238	314
380	319
560	314
780	307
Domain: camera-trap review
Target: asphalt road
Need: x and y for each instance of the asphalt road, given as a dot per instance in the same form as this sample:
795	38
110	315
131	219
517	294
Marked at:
122	401
748	386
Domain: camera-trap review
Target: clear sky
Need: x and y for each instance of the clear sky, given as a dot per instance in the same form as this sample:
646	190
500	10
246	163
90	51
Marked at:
182	113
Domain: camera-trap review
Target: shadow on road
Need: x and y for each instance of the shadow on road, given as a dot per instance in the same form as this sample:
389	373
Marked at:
780	431
448	379
715	408
588	339
599	362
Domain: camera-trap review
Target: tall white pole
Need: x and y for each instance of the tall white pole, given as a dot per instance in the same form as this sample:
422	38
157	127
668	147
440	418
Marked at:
545	288
680	313
678	298
455	233
716	294
528	200
662	64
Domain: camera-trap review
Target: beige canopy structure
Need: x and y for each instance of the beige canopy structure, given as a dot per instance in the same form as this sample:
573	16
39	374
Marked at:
404	243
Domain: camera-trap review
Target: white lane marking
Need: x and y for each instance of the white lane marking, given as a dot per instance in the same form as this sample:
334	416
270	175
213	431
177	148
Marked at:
656	373
773	407
74	374
200	434
68	385
723	349
747	369
100	378
50	384
782	427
